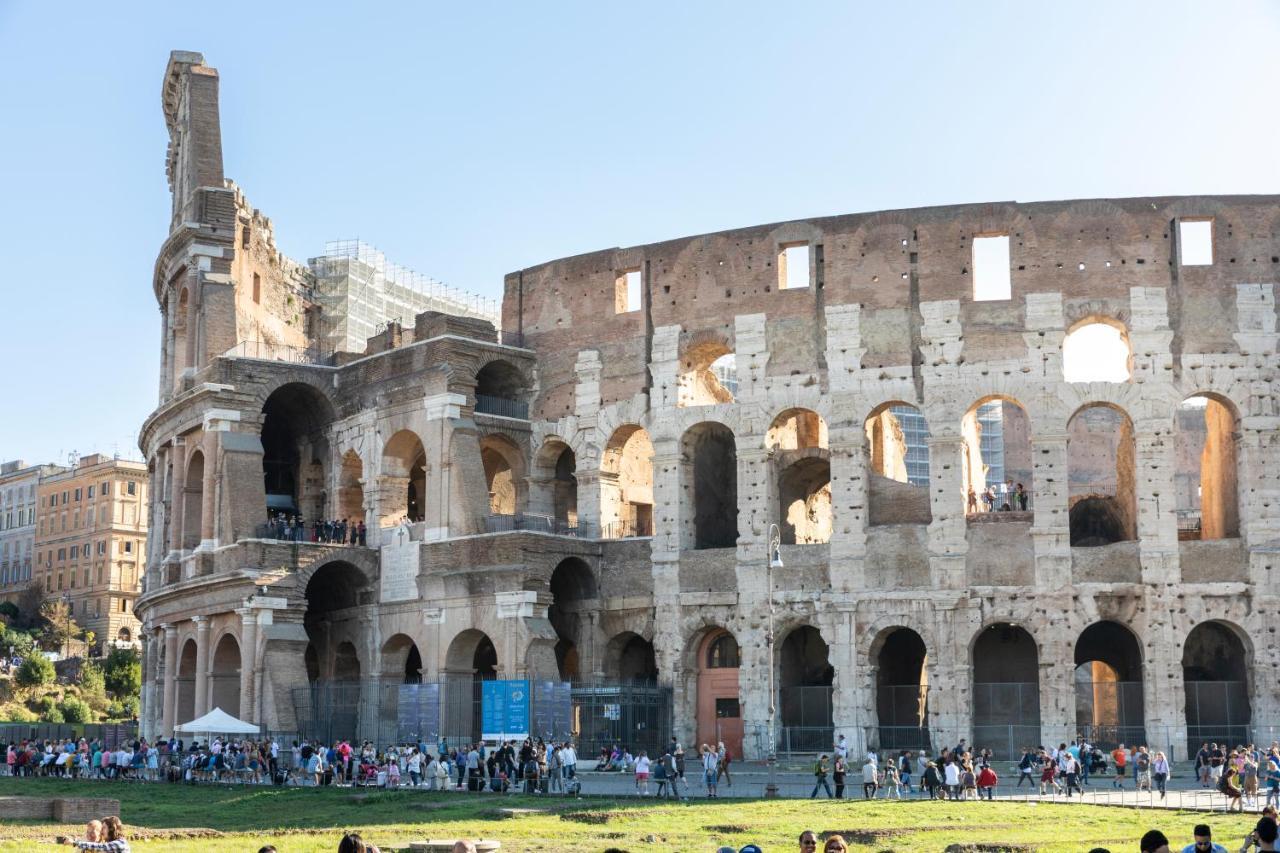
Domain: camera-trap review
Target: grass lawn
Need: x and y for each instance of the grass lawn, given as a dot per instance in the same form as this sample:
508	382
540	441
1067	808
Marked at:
169	817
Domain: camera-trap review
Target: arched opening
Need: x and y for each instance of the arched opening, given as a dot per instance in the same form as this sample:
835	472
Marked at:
351	488
902	690
1205	472
401	662
631	658
1109	685
346	662
503	473
1101	476
500	391
996	469
186	683
193	502
719	713
123	636
470	660
898	461
294	447
805	679
626	484
403	480
709	482
573	586
1097	350
708	375
224	677
555	492
1215	675
797	443
1006	690
312	662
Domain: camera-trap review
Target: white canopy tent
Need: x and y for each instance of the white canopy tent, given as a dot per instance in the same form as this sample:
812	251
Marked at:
218	722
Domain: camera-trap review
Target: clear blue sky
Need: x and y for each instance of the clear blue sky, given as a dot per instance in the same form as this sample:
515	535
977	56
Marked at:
469	140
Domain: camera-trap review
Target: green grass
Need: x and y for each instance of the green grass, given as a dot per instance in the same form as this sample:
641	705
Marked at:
312	820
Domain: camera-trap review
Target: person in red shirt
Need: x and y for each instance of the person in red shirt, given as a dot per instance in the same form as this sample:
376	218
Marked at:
986	782
1120	757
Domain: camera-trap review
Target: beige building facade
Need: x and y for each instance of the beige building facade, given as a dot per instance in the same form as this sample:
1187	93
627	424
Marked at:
595	493
90	544
18	484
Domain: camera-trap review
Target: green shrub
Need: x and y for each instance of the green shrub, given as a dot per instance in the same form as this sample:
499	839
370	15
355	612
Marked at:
75	710
48	710
22	643
92	680
36	671
15	713
9	609
123	672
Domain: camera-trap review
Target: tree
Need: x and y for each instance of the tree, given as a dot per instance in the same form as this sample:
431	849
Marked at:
123	672
36	671
9	611
29	605
75	710
59	628
20	642
92	680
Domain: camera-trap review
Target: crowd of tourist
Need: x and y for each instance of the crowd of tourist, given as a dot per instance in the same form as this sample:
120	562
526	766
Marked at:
999	497
292	528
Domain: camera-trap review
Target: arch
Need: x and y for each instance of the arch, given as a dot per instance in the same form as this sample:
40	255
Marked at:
572	585
124	636
555	469
193	501
503	473
804	501
797	429
471	659
472	653
186	682
401	661
630	657
709	486
500	390
1101	476
334	586
224	675
404	479
718	715
708	374
1215	676
295	447
351	488
996	470
1108	680
346	662
1006	689
902	689
1205	476
898	463
626	484
805	679
1097	349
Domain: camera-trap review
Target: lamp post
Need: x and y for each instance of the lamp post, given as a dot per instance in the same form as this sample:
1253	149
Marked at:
774	562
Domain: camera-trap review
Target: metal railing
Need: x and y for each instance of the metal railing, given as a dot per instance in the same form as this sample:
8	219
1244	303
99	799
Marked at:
533	523
267	351
505	407
625	530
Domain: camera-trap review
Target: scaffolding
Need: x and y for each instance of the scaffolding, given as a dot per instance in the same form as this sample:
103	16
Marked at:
359	292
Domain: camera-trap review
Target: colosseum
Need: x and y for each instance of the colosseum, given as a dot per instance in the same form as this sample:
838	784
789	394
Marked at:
1004	472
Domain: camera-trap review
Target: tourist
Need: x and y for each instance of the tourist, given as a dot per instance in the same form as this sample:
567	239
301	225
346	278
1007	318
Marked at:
722	769
904	770
1160	772
951	777
1229	786
1048	775
642	774
1120	757
353	843
808	841
660	776
569	757
109	837
710	761
987	782
1203	841
555	770
835	844
1072	775
890	782
1154	841
1249	777
930	781
1263	837
838	770
841	748
869	774
820	770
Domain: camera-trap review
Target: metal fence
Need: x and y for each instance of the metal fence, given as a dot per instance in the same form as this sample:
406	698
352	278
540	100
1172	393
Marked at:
505	407
533	522
1111	711
1217	711
597	714
111	734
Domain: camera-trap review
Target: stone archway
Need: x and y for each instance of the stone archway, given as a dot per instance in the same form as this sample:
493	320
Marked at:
1006	690
719	714
805	679
1215	678
224	676
1109	689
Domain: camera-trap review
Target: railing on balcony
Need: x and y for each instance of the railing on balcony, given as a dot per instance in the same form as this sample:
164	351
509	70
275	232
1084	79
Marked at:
502	406
267	351
534	523
625	530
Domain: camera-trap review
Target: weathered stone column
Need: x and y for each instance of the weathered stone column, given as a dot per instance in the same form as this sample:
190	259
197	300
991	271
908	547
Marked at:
1050	528
177	489
1156	497
209	493
202	666
948	545
848	507
248	662
170	678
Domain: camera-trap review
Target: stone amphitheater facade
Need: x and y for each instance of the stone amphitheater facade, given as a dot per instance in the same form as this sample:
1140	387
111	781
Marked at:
590	494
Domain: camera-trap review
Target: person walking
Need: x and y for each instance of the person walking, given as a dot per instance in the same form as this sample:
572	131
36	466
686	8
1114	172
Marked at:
869	785
1120	757
951	778
1025	767
838	771
722	768
987	782
1160	772
710	762
642	774
820	770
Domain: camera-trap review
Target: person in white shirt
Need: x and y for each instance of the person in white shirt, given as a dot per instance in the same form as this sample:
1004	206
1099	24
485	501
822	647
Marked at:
951	778
570	760
642	774
710	761
842	748
415	767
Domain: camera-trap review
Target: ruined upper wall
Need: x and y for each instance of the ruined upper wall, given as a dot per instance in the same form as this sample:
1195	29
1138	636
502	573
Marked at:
1092	252
190	100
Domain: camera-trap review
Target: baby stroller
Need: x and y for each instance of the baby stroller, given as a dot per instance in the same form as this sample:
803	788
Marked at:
368	775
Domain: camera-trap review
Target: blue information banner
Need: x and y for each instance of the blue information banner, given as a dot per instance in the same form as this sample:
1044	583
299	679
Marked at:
504	710
418	717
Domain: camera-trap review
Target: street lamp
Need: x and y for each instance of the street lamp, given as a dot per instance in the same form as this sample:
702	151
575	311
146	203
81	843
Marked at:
775	562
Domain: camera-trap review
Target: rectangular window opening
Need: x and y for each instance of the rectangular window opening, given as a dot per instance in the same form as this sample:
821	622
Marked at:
257	289
793	266
991	278
627	296
1195	241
